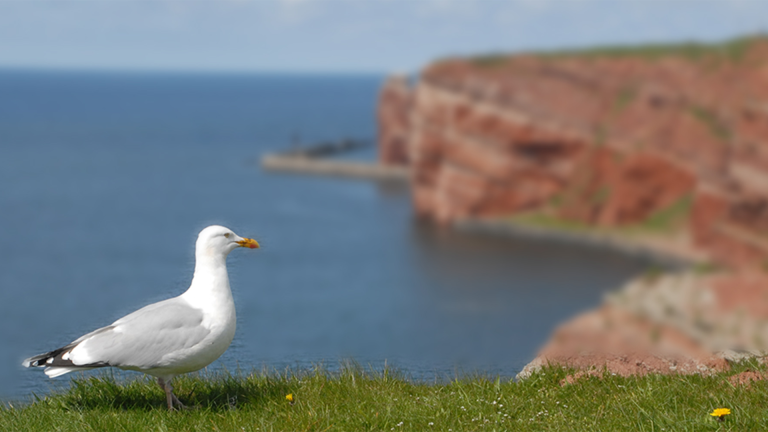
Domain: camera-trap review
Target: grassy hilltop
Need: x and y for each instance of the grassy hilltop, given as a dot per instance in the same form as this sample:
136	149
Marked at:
353	400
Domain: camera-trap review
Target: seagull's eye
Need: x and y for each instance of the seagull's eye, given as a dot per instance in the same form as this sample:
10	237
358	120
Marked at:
226	235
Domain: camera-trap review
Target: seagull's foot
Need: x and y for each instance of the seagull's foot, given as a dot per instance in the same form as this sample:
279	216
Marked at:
178	405
173	402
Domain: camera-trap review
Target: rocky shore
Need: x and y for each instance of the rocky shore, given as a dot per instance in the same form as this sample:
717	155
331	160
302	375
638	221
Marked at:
671	142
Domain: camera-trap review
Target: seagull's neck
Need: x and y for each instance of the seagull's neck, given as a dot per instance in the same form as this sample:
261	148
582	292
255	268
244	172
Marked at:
210	283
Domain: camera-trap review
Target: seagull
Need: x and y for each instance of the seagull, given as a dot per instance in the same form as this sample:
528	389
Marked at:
169	338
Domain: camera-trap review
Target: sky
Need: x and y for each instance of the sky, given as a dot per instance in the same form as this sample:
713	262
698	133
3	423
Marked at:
329	36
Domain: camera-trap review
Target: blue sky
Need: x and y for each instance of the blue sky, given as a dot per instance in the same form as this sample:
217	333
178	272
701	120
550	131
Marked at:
341	35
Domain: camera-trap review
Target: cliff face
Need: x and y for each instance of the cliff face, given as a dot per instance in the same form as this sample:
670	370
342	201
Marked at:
607	140
395	105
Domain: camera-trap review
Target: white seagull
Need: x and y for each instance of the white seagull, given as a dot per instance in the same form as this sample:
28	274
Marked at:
169	338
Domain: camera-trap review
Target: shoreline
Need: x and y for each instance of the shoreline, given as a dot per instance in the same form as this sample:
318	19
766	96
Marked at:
657	250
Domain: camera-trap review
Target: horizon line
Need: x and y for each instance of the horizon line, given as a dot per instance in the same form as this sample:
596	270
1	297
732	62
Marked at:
4	68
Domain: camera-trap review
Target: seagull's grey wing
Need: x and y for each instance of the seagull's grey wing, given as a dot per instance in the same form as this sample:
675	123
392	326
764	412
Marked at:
145	338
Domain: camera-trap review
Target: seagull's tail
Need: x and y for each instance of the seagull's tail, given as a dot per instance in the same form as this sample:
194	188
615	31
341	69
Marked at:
57	362
47	359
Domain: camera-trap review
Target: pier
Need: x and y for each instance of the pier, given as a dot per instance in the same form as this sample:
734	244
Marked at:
317	160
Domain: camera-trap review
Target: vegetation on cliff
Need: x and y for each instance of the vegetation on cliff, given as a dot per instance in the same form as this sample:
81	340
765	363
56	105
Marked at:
355	400
657	150
731	50
668	220
627	138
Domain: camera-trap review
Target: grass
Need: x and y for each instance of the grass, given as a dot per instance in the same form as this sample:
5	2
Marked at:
669	218
354	400
731	51
665	221
624	98
546	220
600	135
716	126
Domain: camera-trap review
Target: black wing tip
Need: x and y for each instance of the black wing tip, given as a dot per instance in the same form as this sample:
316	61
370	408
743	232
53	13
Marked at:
49	358
53	359
36	361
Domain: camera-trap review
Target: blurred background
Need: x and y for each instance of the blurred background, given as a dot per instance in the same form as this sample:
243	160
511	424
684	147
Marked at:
126	127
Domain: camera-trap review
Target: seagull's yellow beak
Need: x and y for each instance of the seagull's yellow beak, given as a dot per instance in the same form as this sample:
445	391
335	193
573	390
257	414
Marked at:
249	243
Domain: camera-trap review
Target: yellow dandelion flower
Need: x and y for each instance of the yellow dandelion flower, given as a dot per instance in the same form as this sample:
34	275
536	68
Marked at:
289	398
720	412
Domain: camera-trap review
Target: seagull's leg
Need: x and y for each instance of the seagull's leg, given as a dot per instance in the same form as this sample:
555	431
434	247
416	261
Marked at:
177	402
173	401
169	397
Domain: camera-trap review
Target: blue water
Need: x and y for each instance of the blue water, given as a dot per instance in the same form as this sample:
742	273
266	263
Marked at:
106	180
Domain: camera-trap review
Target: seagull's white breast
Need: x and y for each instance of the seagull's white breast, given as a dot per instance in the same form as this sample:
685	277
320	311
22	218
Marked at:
220	319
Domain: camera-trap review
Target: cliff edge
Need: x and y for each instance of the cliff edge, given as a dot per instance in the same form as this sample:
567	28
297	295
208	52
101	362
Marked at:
671	139
606	138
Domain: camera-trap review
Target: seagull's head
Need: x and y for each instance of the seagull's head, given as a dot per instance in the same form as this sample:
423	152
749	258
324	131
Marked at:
217	240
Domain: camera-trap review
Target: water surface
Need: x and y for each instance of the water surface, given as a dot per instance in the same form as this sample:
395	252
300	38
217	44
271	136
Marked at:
106	179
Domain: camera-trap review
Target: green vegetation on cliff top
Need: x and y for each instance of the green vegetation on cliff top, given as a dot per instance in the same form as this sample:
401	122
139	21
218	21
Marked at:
732	50
353	400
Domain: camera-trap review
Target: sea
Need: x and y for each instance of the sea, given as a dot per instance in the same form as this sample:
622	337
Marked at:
107	177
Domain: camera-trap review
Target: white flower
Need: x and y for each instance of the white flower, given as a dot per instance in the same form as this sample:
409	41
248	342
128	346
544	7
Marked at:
431	424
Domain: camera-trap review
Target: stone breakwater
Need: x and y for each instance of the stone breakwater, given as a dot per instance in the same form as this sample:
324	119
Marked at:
606	140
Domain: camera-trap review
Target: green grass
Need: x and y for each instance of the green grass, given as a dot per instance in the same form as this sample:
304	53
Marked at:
353	400
546	220
730	51
716	126
601	196
491	60
669	218
624	98
664	221
600	135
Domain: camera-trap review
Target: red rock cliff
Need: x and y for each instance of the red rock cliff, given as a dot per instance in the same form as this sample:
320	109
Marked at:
396	101
604	139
